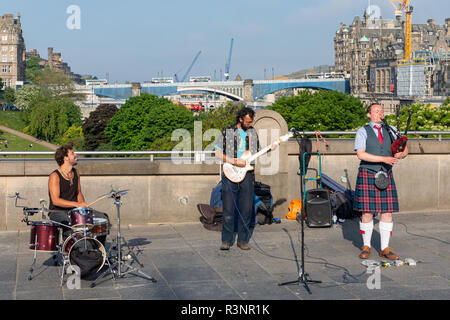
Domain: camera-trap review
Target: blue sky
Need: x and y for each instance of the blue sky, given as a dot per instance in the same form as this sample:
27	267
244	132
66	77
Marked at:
136	40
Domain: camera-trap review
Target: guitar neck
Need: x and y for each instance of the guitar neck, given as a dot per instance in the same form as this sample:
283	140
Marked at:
259	153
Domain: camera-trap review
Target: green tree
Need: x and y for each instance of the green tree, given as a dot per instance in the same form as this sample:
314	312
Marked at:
9	95
33	70
146	122
48	105
51	117
74	136
1	84
322	110
94	126
424	118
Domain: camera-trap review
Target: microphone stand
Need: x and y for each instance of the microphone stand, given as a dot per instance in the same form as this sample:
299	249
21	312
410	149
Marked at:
303	277
120	267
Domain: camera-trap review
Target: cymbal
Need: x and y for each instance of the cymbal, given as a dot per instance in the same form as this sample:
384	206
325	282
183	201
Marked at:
113	191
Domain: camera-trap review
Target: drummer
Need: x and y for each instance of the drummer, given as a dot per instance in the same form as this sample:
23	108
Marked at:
64	190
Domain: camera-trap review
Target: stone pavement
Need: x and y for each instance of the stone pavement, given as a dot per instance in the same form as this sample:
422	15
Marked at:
186	261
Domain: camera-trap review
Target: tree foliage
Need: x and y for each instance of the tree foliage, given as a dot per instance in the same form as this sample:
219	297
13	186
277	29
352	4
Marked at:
48	105
33	69
424	118
50	118
322	110
74	136
94	126
146	122
9	95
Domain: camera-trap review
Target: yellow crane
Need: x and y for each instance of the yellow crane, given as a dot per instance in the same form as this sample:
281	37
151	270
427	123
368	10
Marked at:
400	6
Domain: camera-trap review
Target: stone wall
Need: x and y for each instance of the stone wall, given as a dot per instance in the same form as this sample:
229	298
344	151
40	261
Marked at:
162	191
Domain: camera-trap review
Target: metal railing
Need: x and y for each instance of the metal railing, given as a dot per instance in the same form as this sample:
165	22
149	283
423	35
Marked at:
197	156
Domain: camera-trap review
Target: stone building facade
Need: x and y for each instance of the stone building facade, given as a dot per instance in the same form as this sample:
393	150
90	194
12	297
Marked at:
12	50
55	62
368	51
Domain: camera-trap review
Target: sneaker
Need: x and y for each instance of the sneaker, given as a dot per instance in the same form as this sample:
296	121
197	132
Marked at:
225	246
243	246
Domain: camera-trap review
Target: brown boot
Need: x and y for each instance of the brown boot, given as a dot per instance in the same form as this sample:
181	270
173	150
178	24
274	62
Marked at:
243	246
388	254
365	252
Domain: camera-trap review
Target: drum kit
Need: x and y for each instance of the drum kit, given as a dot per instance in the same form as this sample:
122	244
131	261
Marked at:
81	248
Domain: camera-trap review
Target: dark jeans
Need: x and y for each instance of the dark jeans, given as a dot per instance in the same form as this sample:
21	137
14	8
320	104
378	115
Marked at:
237	195
63	217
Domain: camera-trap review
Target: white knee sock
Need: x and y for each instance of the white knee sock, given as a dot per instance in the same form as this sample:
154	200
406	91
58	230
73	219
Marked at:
385	233
366	232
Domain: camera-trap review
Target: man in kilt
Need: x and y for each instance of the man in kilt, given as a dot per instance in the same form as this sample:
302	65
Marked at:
373	148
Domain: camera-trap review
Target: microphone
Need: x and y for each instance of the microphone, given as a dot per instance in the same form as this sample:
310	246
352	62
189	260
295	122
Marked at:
295	131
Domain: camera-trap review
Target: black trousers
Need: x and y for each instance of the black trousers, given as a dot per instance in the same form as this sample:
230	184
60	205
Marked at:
63	217
238	195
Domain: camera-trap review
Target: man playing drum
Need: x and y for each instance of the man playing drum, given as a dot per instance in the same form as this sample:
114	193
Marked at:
65	190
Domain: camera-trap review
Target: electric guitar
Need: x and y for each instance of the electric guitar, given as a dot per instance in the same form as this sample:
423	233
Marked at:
237	174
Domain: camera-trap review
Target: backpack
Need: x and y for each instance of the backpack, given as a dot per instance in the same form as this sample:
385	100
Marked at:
210	218
263	203
342	206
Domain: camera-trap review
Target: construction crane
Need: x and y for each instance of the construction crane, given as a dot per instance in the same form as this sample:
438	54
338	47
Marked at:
400	6
188	70
227	64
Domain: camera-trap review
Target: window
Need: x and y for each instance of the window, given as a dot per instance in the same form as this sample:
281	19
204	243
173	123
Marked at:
4	58
4	38
4	69
12	56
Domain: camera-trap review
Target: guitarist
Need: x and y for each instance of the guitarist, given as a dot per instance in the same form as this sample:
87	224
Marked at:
236	139
373	148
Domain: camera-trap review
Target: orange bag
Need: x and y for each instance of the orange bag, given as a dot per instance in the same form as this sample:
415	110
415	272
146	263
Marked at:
294	207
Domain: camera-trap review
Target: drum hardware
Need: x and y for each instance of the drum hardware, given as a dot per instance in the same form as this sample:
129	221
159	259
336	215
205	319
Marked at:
120	266
47	235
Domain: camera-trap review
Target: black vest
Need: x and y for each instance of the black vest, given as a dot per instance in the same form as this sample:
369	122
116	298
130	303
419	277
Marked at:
373	146
66	191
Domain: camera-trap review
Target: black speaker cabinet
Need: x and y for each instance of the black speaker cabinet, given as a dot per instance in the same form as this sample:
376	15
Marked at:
318	208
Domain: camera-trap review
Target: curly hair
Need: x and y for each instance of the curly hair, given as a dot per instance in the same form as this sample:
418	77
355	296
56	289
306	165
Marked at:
243	112
62	152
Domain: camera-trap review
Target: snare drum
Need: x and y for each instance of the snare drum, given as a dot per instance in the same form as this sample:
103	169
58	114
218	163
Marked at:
76	245
100	227
81	217
44	236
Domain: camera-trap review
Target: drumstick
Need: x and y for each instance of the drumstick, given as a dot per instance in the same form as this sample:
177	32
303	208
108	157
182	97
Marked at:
90	204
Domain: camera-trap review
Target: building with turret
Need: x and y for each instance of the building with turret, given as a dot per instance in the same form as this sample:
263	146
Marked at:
369	50
12	51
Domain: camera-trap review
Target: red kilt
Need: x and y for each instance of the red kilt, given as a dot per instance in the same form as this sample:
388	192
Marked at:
369	199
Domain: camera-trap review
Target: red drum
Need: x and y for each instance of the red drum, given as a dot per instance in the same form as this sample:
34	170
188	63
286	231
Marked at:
100	228
81	217
76	245
44	236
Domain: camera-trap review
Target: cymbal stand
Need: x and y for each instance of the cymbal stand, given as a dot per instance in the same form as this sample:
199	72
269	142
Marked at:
120	267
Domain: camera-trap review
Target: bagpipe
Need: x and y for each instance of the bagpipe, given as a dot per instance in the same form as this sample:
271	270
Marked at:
399	143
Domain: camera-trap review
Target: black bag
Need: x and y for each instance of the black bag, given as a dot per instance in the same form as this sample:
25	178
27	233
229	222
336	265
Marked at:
210	218
87	260
342	206
264	211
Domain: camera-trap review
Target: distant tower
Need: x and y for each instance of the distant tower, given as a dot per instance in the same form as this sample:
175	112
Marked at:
12	50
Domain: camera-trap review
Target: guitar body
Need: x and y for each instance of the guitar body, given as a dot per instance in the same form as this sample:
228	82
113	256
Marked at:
237	174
